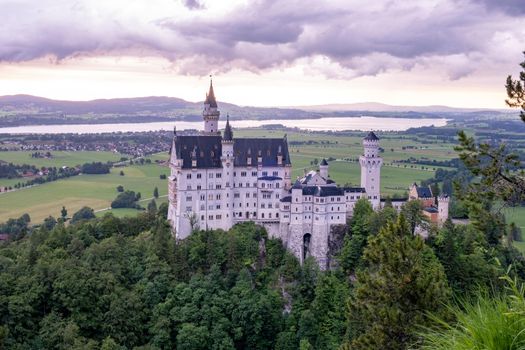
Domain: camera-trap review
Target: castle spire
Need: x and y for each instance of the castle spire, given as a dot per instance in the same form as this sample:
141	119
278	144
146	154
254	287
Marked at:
228	133
210	96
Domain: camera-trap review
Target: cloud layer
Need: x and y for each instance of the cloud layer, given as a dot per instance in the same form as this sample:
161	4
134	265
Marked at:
342	39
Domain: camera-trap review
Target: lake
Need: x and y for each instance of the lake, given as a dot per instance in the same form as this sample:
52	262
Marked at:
322	124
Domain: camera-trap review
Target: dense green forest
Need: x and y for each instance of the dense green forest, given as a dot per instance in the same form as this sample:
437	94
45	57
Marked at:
115	283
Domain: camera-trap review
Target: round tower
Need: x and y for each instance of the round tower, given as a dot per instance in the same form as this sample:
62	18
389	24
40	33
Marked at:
211	114
323	169
371	164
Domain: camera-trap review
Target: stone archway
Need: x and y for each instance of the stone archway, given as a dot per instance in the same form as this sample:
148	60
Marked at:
307	238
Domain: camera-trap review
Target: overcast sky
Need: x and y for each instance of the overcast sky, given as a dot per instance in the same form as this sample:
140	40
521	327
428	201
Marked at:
266	52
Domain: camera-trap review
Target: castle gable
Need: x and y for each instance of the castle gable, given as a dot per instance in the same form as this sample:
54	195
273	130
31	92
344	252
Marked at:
313	179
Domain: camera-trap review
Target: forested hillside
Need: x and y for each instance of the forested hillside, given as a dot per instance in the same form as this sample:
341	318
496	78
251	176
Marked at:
115	283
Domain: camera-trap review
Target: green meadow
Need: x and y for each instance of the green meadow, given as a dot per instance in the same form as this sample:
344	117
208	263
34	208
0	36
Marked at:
95	191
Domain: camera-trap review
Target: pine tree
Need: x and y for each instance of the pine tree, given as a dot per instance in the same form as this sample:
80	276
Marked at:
156	192
63	213
402	282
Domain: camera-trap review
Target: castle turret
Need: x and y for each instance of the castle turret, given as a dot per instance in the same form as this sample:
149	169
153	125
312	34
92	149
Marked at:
227	159
371	164
172	181
443	202
210	113
323	169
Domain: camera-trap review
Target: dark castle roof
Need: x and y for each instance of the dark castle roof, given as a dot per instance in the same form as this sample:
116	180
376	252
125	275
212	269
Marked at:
207	151
354	189
267	149
371	137
319	191
423	192
210	97
324	162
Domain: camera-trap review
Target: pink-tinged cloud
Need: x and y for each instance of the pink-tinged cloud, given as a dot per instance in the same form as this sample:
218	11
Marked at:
359	37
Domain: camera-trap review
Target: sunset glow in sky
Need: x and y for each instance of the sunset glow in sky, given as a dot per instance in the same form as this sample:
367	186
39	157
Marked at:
264	53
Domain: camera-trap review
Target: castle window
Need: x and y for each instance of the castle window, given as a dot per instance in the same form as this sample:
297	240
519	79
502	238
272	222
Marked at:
262	215
199	187
264	173
254	173
202	217
247	184
188	198
243	173
218	187
210	217
202	197
203	207
199	175
263	205
247	195
188	176
277	185
210	175
218	217
210	207
236	195
218	175
270	215
188	187
188	208
270	205
218	197
275	173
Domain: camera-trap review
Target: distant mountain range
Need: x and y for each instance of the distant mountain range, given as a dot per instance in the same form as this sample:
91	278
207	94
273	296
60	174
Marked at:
28	110
381	107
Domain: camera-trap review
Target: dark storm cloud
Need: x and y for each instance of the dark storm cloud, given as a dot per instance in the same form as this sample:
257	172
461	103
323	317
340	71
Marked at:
193	4
364	37
511	7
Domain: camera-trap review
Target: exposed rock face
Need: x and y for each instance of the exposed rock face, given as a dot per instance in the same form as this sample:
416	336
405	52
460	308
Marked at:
335	243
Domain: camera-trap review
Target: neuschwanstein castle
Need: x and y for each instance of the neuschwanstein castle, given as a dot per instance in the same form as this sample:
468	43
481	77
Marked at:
218	180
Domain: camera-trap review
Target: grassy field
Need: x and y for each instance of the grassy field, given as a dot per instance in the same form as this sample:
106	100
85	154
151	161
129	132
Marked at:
97	191
517	215
60	158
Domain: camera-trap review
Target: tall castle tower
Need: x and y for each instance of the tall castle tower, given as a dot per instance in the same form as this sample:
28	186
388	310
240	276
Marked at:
210	114
371	169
